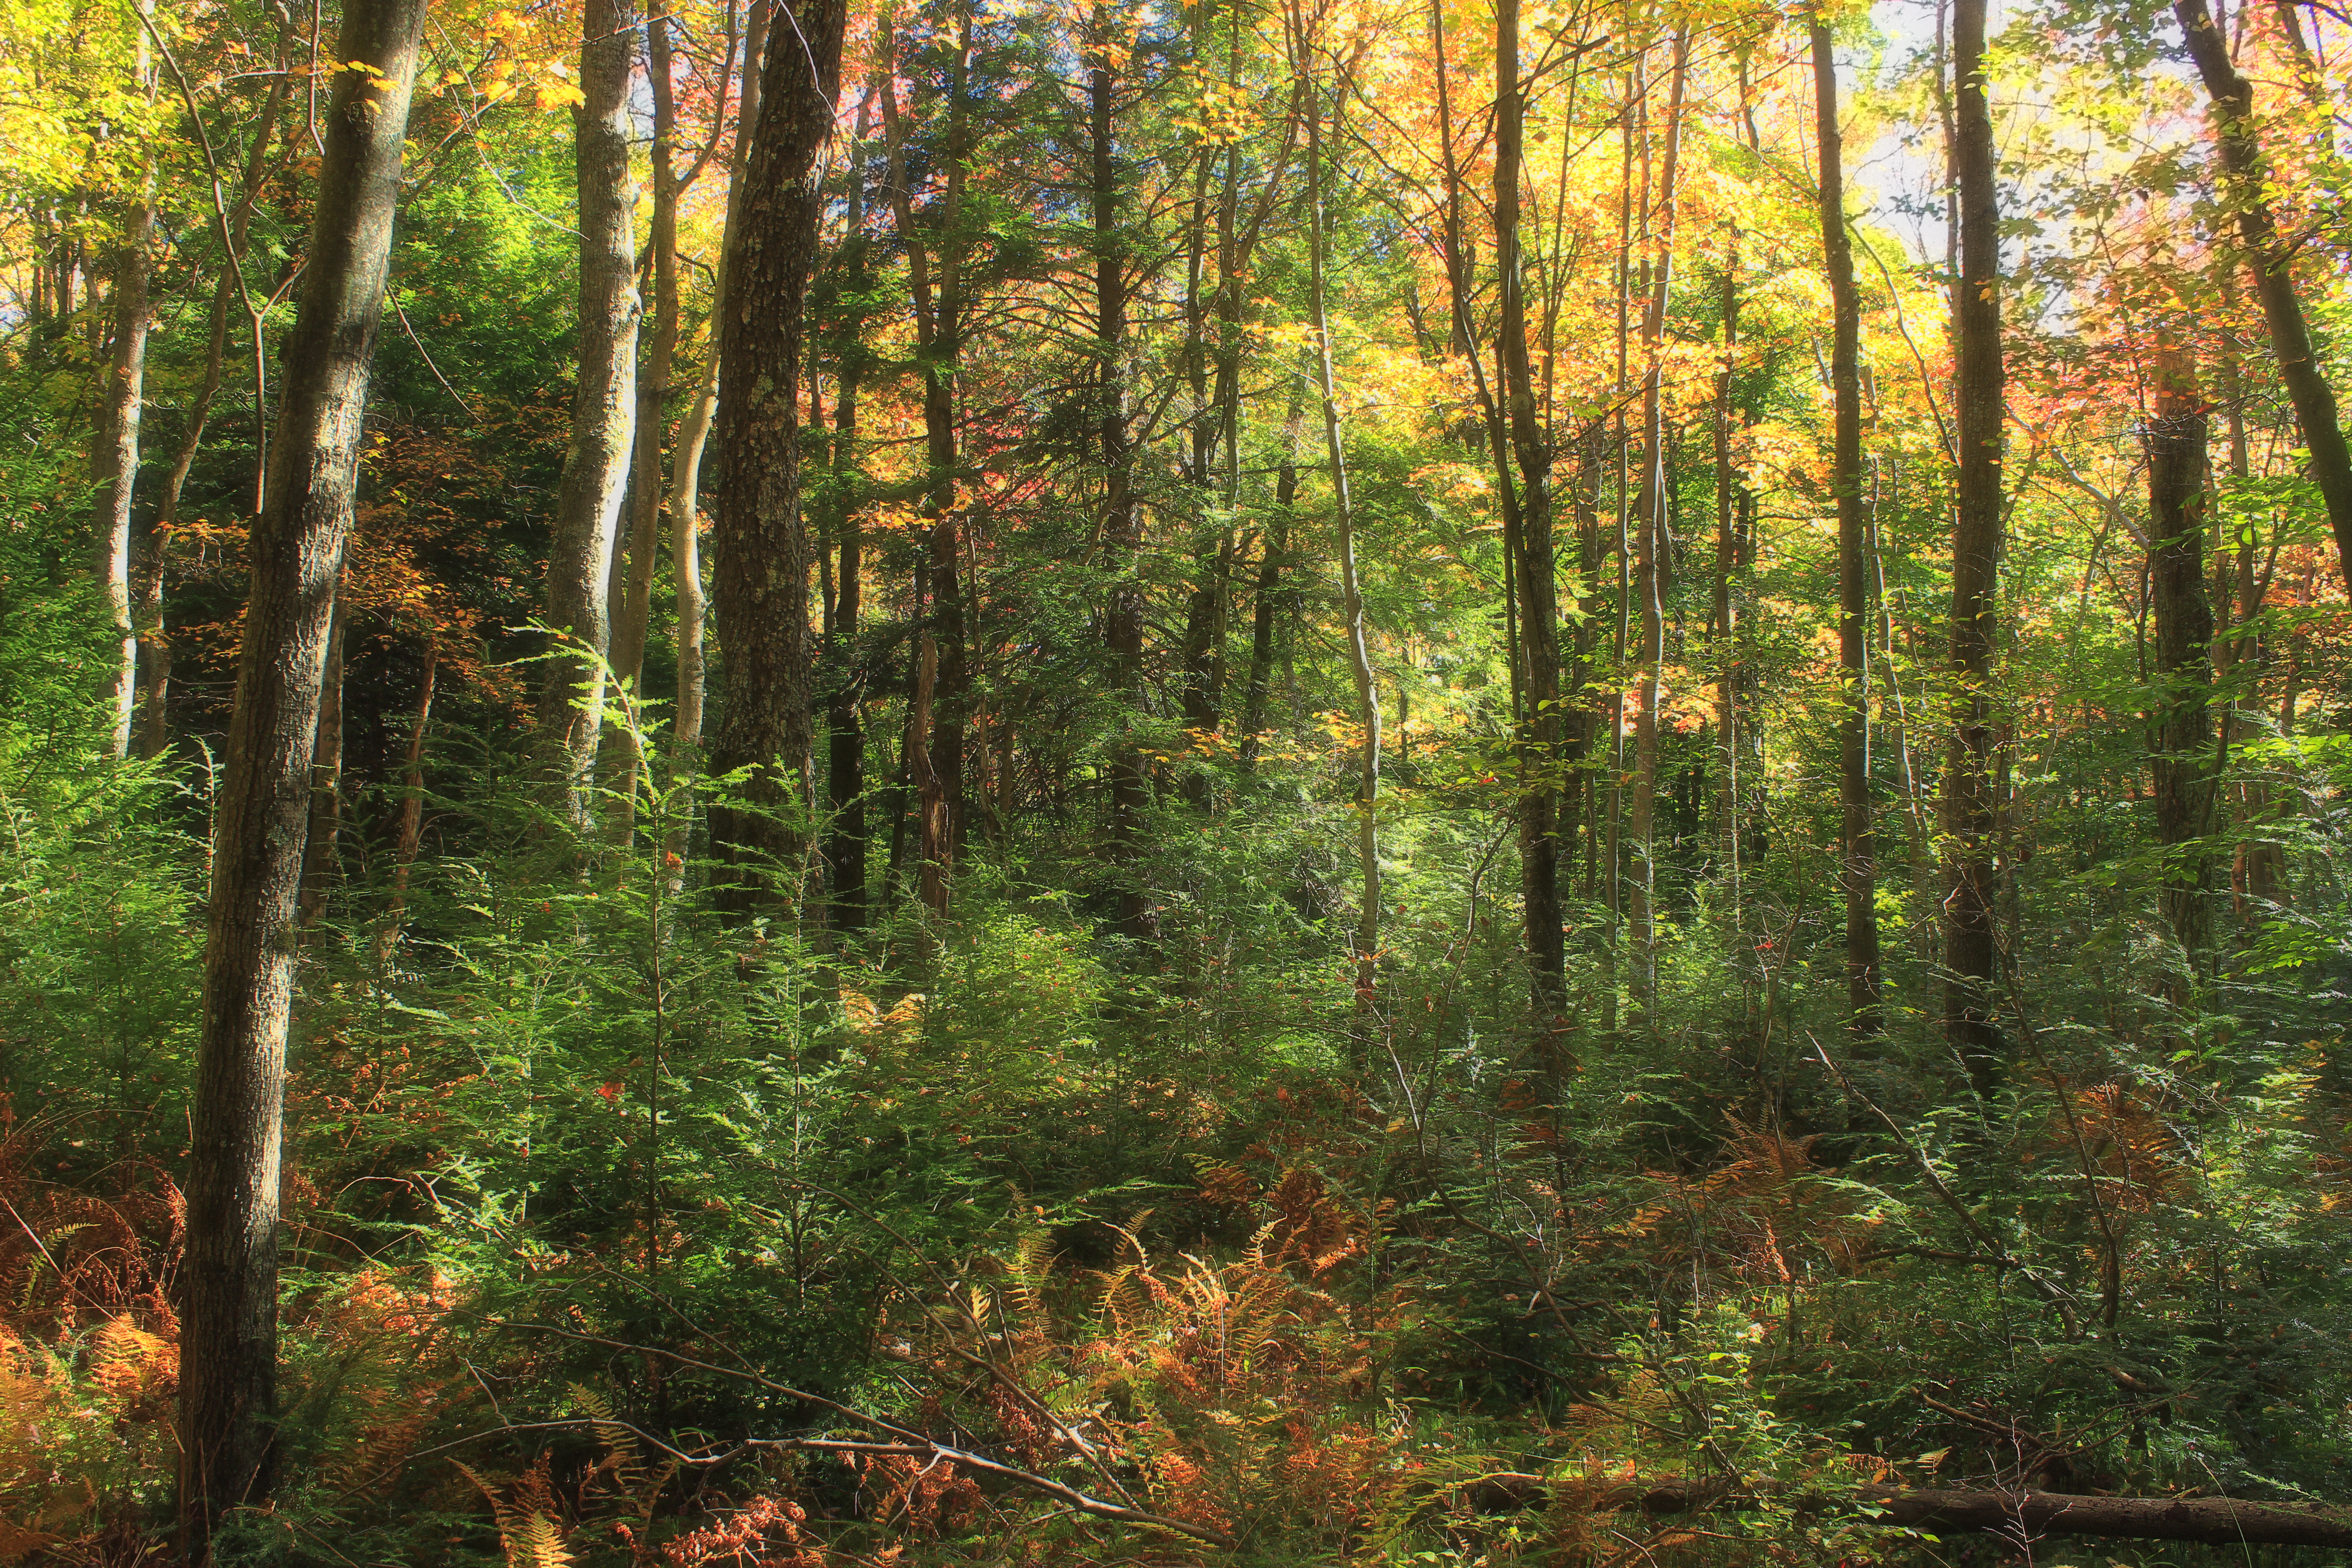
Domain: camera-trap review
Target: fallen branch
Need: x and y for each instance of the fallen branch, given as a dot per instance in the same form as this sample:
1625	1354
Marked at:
905	1440
2016	1515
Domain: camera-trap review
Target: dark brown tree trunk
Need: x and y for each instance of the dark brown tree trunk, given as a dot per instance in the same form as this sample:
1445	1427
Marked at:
2244	174
1122	518
844	735
604	408
935	282
1269	598
1652	555
1727	570
759	536
686	471
1858	849
410	831
2182	756
1529	536
1978	396
228	1356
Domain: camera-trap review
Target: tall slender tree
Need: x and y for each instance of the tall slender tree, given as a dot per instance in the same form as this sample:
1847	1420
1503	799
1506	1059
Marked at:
122	397
604	406
1980	387
228	1344
1858	843
2175	433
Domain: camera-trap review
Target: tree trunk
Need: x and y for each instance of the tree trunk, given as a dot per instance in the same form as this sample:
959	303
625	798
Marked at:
1858	850
320	850
2182	756
845	738
935	283
147	598
1351	598
1978	396
685	470
114	453
410	831
1528	538
604	409
228	1356
1122	518
768	723
2245	172
1269	598
1652	562
635	568
1727	570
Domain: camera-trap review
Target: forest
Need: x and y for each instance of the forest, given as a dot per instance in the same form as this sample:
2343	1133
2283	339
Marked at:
804	785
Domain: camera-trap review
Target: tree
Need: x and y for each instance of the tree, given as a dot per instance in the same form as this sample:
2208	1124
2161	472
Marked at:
1977	526
2181	756
229	1319
603	408
2245	172
767	724
1857	850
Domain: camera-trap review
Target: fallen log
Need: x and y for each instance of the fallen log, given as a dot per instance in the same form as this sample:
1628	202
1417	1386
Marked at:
2213	1521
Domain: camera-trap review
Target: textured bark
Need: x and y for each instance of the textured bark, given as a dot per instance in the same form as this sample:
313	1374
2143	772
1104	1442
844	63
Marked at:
229	1279
604	408
845	739
686	467
2245	174
2182	756
763	579
411	830
633	566
1528	537
1269	598
1351	598
1969	793
1857	846
114	456
1651	558
935	256
1122	518
321	850
1729	570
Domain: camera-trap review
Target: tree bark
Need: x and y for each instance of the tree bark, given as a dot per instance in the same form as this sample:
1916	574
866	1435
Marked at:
768	723
604	409
685	470
1269	598
114	448
2182	759
1351	598
845	739
1858	850
1652	561
410	831
1122	518
1528	537
1969	798
229	1323
2245	172
635	565
935	283
324	840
